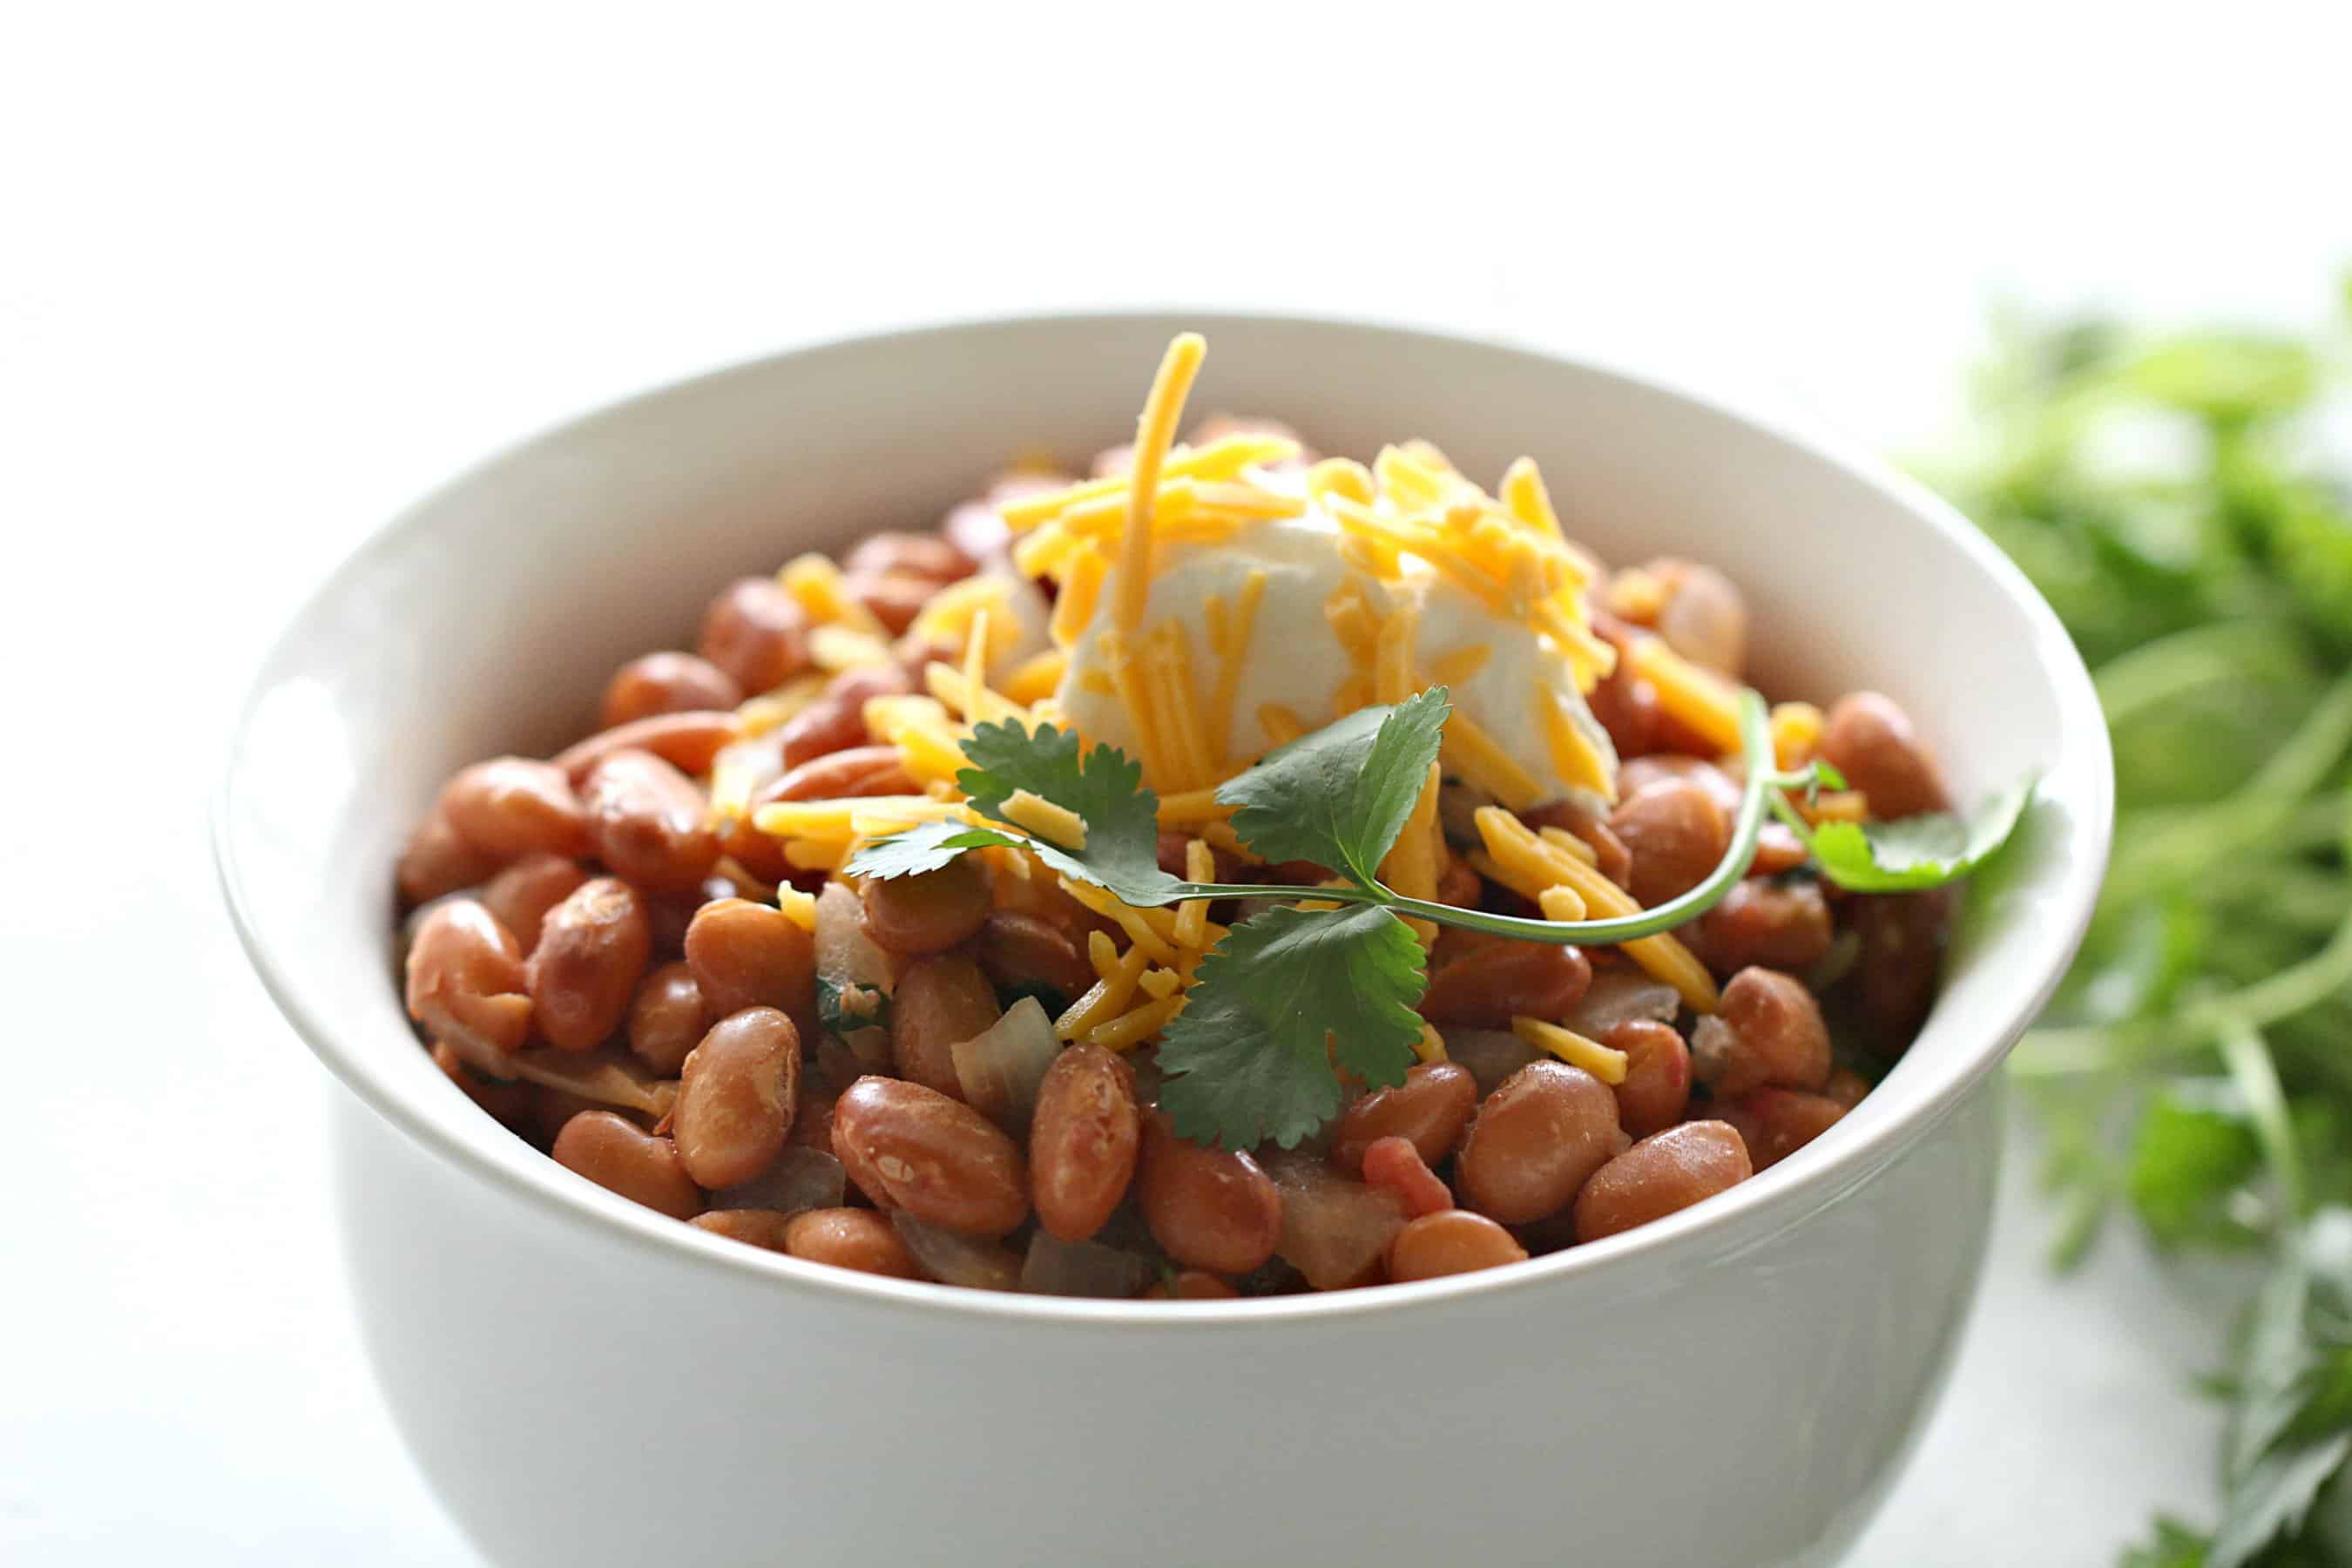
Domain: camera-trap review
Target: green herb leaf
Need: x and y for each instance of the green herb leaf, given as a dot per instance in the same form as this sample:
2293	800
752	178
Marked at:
2194	1149
1925	851
1104	788
2273	1498
2174	1545
1340	796
1277	999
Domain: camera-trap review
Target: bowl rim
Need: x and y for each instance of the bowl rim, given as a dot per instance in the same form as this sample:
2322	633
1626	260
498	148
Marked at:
2082	773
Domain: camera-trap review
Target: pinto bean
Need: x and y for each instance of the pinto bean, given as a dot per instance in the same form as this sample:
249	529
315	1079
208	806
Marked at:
1675	833
1432	1109
893	598
1703	618
736	1101
1020	953
508	1102
850	1238
751	955
1775	1123
649	822
917	555
467	986
521	895
666	683
1609	855
1644	773
1768	922
835	721
838	775
928	912
1870	739
1460	886
1486	987
1451	1241
1083	1140
439	861
588	962
1665	1172
511	806
620	1156
689	742
908	1147
757	632
1657	1084
939	1001
1536	1140
754	1227
1768	1030
1209	1208
667	1018
1903	941
1191	1285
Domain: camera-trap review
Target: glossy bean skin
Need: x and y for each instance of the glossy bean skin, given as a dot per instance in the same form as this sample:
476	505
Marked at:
1083	1140
590	955
666	683
648	821
1214	1209
1536	1141
928	912
1643	773
1019	952
1775	1123
1703	617
1665	1172
1771	1032
438	860
689	742
757	632
735	1105
908	1147
1450	1241
1765	922
754	1227
914	554
667	1018
893	598
835	721
467	984
1395	1165
1903	941
859	771
939	1001
620	1156
1432	1109
1675	833
1656	1091
1870	739
1627	707
1487	986
1609	855
511	806
850	1238
744	954
521	895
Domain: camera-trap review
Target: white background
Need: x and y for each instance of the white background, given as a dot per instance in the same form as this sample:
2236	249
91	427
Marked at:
270	273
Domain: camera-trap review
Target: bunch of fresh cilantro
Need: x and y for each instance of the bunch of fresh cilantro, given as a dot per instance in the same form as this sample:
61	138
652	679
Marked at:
2182	499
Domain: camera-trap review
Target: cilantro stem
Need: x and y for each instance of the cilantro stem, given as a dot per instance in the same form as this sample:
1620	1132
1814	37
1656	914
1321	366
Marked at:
1762	791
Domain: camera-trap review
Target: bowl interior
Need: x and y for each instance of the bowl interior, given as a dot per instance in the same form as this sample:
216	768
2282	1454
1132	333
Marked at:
487	619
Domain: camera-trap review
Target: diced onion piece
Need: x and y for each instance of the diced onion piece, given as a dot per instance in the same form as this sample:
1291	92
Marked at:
802	1178
1334	1231
846	955
607	1078
1491	1055
1619	997
1001	1066
953	1259
1057	1268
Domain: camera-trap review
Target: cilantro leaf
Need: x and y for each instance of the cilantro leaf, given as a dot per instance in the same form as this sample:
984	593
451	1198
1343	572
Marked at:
1283	993
2273	1498
926	846
1103	786
1340	796
1925	851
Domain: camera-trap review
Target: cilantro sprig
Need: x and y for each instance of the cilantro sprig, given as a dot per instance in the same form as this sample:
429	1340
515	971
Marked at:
1291	996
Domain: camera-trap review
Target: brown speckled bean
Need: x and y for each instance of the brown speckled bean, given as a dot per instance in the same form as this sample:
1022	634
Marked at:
1662	1173
751	955
521	895
754	1227
667	1018
1768	1030
1489	986
1451	1241
908	1147
850	1238
1210	1208
1870	739
735	1105
511	806
1536	1141
1083	1140
928	912
439	861
1656	1089
666	683
467	984
1675	833
1763	921
939	1001
1432	1108
649	823
590	957
757	632
620	1156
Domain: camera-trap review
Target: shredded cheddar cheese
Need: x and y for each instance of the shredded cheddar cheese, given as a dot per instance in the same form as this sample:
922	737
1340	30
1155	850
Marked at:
1056	825
1604	1062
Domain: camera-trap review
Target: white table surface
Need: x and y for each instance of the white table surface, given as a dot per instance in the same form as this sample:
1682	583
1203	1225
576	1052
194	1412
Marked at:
272	273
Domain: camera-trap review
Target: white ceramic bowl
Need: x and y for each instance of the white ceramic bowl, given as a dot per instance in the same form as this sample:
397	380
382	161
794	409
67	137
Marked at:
587	1383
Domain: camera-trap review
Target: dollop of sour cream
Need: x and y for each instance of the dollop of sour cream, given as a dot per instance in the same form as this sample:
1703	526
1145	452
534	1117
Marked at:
1298	661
